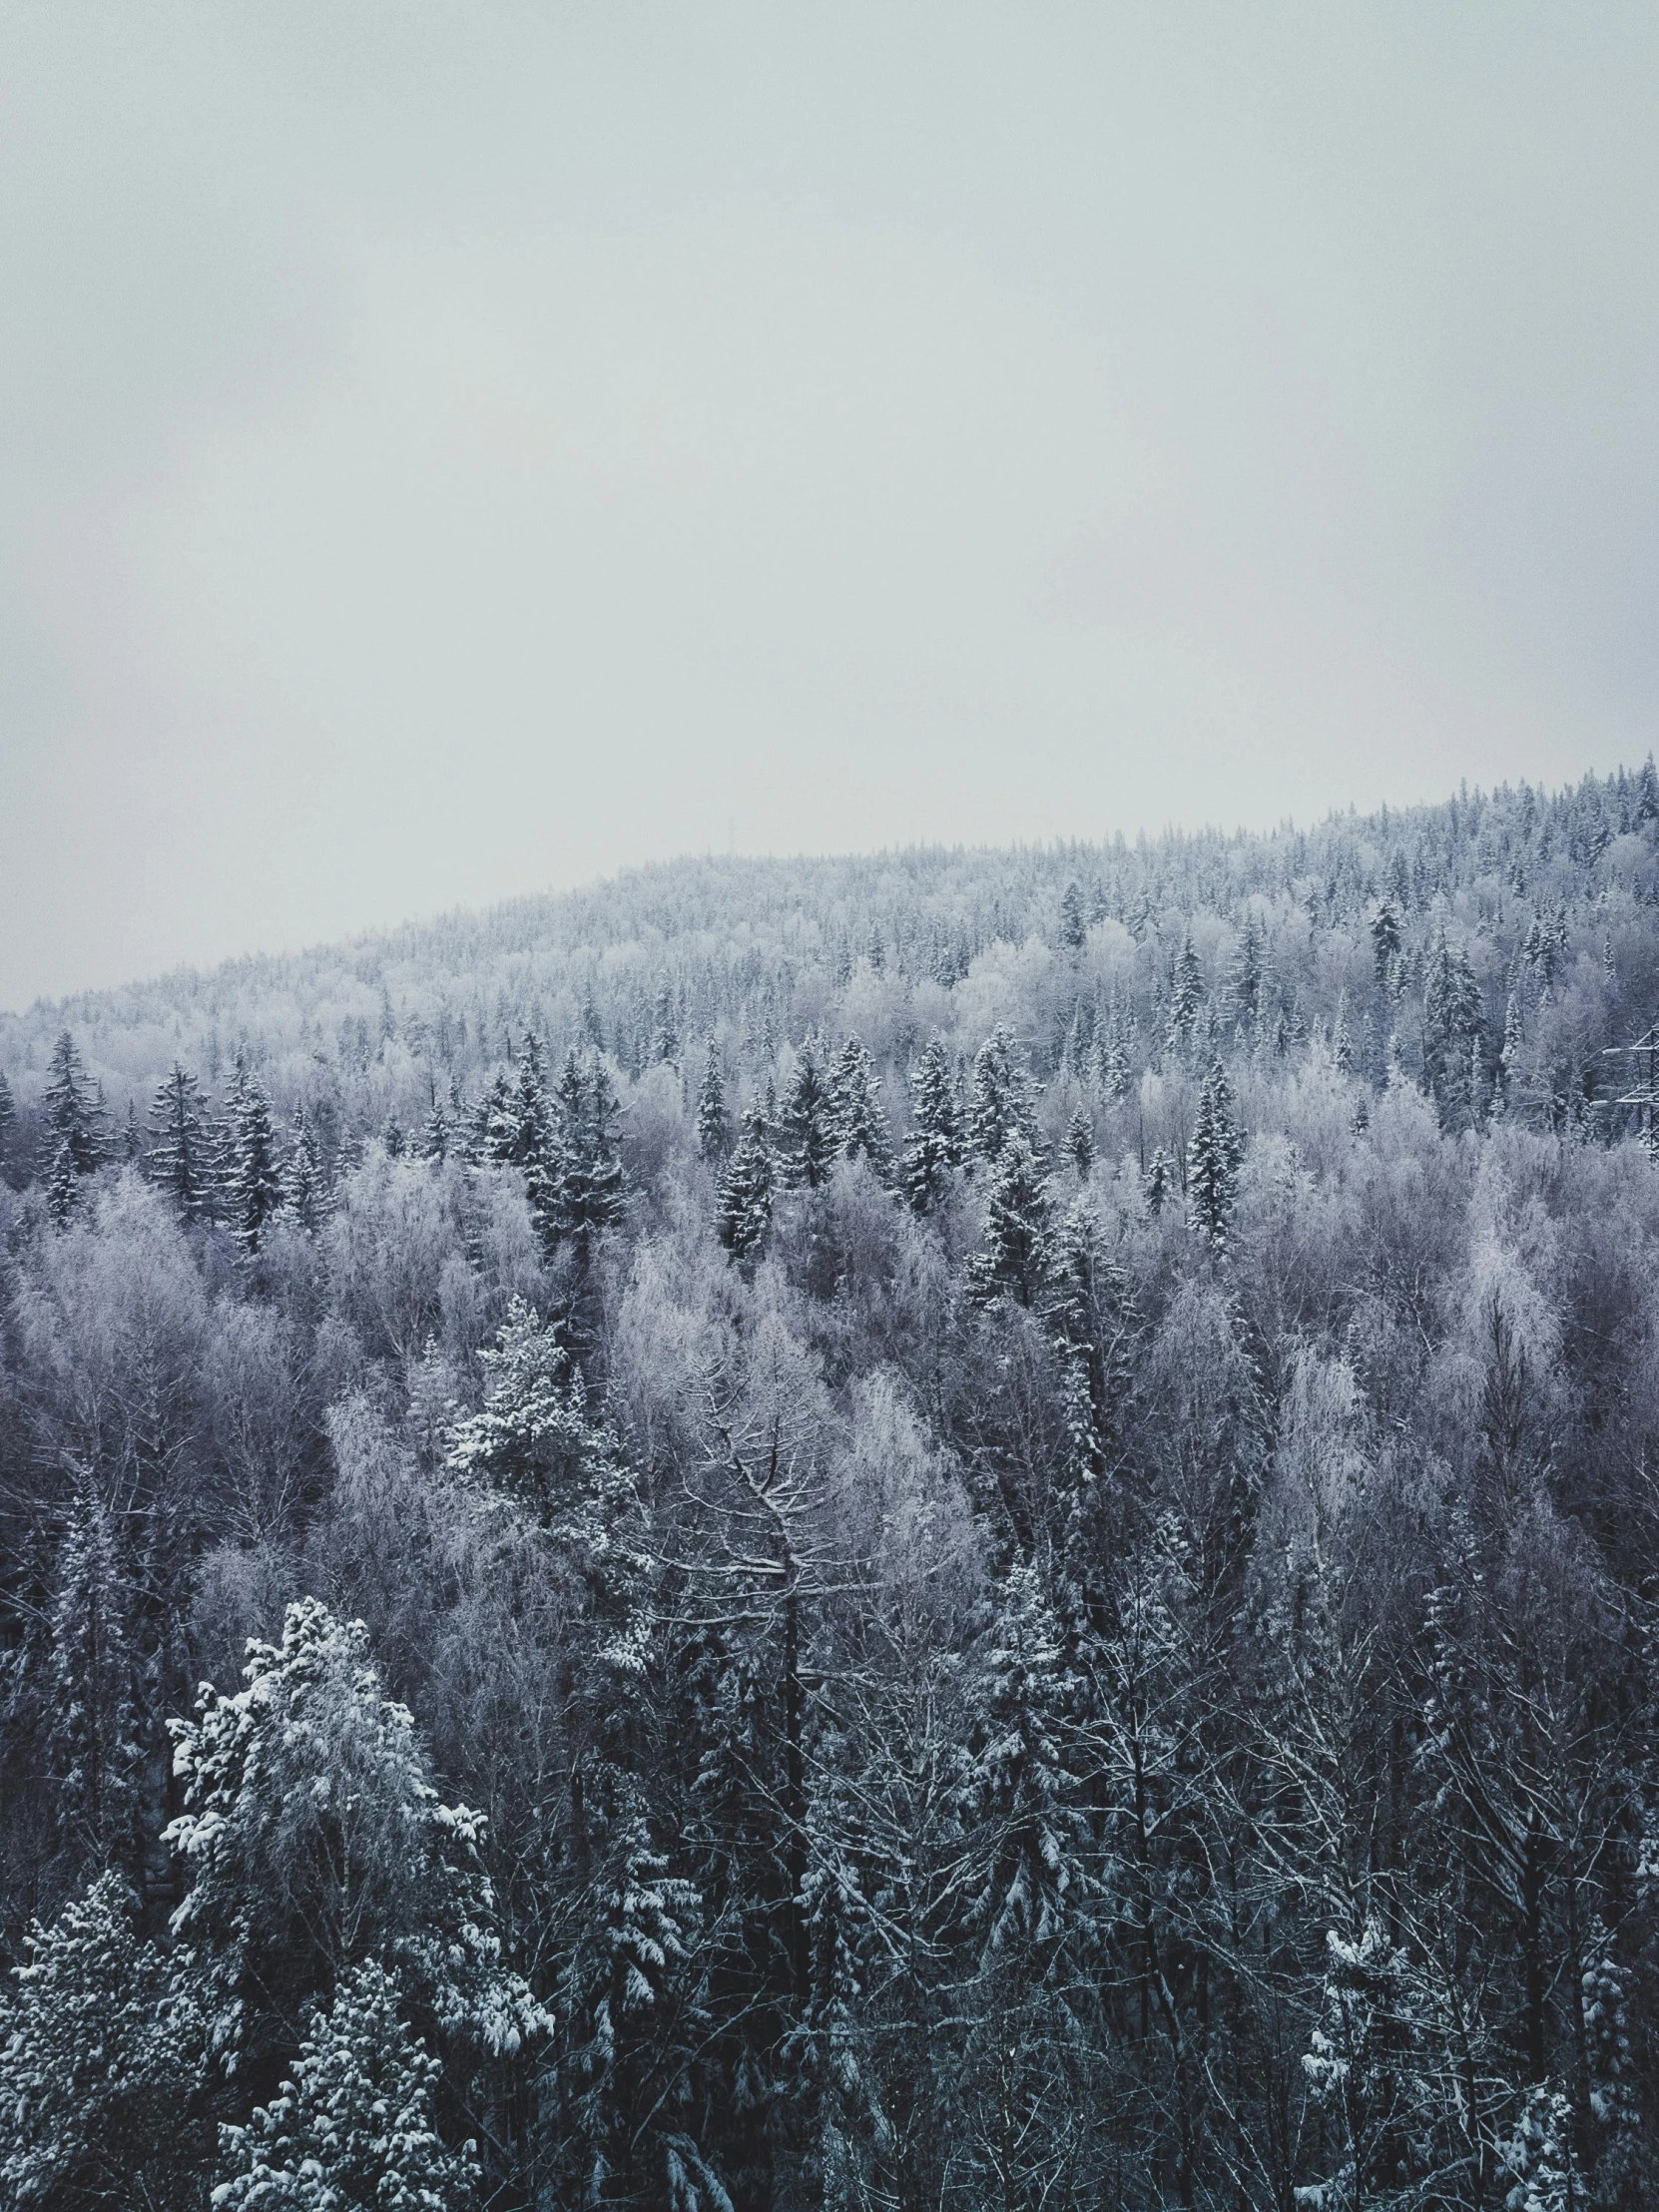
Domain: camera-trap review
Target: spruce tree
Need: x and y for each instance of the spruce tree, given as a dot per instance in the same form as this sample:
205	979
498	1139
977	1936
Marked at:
1385	943
178	1153
632	1989
74	1114
96	1741
63	1187
589	1197
856	1099
101	2062
1186	998
936	1149
1074	928
1012	1258
714	1126
8	1114
806	1134
305	1188
1000	1105
1160	1178
254	1181
1214	1155
1451	1014
357	2126
745	1189
1079	1143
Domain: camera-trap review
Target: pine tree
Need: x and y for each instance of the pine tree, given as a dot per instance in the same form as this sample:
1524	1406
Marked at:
714	1126
1451	1013
630	1989
314	1838
438	1135
1000	1104
1384	943
745	1189
1160	1180
1074	928
63	1187
355	2125
1214	1155
534	1443
856	1103
73	1112
1014	1255
806	1134
846	2128
1246	979
132	1142
305	1191
1090	1309
178	1163
1186	998
665	1033
254	1181
96	1742
936	1149
100	2059
1021	1802
1081	1142
8	1114
588	1195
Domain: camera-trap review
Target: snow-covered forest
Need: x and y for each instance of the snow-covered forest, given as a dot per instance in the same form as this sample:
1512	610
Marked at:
968	1530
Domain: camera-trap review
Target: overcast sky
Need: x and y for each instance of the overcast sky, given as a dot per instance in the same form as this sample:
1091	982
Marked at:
451	451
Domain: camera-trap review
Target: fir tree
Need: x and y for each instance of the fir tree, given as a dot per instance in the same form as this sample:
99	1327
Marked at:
1450	1034
179	1161
356	2124
1384	943
74	1115
132	1142
1160	1180
305	1191
95	1742
8	1114
1012	1258
63	1187
1091	1315
856	1102
1074	928
584	1194
665	1033
745	1189
1079	1142
714	1126
101	2057
1000	1105
1214	1155
1186	998
630	1988
314	1838
936	1149
254	1181
806	1133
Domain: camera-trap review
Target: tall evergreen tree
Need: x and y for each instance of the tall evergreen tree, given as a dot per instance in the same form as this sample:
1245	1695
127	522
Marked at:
8	1115
95	1740
856	1103
179	1161
1214	1155
745	1189
255	1180
1452	1016
1013	1257
1000	1105
1074	928
305	1188
589	1195
714	1127
357	2124
1186	998
806	1133
936	1149
74	1114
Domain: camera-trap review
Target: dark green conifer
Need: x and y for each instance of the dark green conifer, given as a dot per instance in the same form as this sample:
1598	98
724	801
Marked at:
1212	1159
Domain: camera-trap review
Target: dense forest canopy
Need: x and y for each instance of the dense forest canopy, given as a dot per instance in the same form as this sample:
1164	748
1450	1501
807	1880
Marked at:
958	1530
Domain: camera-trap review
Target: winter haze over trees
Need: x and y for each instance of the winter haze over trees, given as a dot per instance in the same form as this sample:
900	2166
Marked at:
968	1529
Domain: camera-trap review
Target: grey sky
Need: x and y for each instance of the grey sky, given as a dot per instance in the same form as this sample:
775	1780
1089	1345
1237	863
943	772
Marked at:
447	451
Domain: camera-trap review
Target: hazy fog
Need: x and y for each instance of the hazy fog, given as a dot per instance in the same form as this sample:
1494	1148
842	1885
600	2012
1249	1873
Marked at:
451	450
